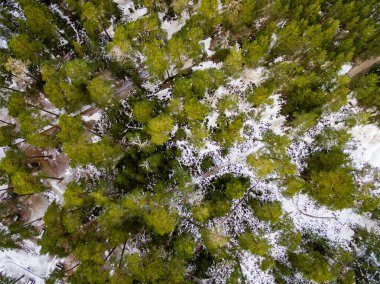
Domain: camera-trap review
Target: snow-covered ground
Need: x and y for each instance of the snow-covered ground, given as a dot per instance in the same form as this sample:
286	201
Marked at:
3	43
28	262
206	46
336	225
129	10
207	65
92	117
250	266
171	27
345	68
367	138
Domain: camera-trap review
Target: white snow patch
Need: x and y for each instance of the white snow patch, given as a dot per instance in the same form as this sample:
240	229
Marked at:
58	187
38	210
273	41
259	23
28	262
367	140
95	138
93	117
3	43
279	59
129	11
164	94
249	76
281	24
271	117
111	30
336	225
151	87
171	27
137	14
2	155
5	116
211	119
207	65
252	271
207	44
2	152
345	68
212	99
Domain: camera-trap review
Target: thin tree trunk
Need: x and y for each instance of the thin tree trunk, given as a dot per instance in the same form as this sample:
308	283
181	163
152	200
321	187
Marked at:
122	255
18	279
312	216
241	271
76	265
40	156
11	89
31	222
196	279
92	132
237	205
112	250
42	109
27	194
7	122
32	76
11	74
5	189
55	178
105	31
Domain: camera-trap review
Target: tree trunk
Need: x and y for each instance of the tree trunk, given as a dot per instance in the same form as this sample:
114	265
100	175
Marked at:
55	178
198	280
42	109
11	89
112	250
26	194
32	76
76	265
105	31
31	222
122	255
6	122
18	279
92	132
40	156
6	189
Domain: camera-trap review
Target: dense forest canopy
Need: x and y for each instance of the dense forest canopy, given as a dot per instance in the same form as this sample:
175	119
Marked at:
189	141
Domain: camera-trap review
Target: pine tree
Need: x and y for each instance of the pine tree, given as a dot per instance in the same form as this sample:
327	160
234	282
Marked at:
26	49
159	128
233	64
100	91
39	20
143	111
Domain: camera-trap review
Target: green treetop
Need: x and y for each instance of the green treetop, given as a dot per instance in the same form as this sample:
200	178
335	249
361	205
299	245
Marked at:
26	49
100	91
39	20
159	128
